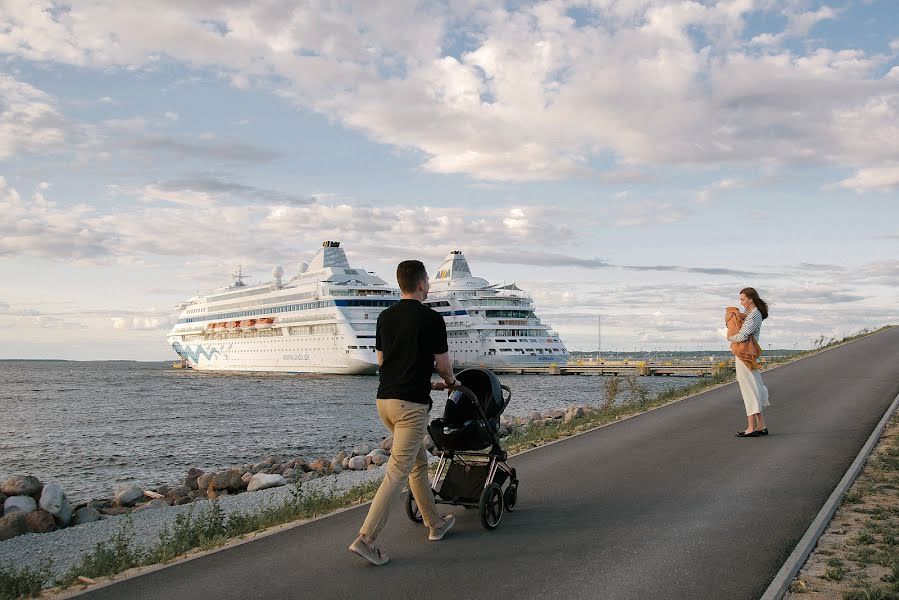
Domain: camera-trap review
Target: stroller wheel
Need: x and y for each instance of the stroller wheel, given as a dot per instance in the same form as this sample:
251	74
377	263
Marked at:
510	497
491	506
412	508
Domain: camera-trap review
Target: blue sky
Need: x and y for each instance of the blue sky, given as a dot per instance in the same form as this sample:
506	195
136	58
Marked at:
642	160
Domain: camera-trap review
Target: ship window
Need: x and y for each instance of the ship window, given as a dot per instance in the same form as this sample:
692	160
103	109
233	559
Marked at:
499	340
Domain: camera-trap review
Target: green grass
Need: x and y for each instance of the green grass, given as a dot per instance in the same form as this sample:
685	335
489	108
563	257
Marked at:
24	582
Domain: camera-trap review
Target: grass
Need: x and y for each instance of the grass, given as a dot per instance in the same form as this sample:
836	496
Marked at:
211	527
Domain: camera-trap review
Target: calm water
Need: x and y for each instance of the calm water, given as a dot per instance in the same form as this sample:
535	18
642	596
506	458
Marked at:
93	425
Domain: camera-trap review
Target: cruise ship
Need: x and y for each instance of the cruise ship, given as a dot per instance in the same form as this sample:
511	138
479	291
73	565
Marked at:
490	325
321	320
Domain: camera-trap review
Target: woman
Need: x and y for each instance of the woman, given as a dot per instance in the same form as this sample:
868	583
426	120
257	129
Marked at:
755	394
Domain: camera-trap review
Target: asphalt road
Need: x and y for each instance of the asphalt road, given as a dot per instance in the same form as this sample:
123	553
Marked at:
665	505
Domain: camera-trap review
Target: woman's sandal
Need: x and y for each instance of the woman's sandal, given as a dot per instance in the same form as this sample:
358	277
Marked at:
750	434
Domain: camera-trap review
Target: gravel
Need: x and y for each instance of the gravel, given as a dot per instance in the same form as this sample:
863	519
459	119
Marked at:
66	547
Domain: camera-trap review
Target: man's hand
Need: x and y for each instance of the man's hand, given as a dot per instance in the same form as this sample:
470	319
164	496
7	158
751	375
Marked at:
442	385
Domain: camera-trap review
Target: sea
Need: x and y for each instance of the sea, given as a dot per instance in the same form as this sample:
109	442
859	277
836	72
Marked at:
91	426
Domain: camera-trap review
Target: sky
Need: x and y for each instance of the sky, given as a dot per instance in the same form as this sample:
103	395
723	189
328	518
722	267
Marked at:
633	161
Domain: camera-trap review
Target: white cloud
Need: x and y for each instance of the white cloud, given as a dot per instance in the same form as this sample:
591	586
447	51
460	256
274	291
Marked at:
883	178
30	120
533	95
142	323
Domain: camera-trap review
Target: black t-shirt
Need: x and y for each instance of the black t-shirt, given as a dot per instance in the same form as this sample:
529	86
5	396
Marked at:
409	334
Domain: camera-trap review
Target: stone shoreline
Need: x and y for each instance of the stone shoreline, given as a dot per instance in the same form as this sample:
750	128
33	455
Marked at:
39	524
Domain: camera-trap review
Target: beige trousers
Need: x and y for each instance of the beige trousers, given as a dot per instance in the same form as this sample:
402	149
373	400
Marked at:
408	422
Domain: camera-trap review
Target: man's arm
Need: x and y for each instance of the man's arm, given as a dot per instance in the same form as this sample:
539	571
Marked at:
445	370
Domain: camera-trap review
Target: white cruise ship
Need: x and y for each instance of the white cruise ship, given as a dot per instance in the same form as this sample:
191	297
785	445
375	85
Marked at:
490	325
321	320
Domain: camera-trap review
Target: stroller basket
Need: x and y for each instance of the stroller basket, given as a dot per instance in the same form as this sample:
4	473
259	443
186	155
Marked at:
465	482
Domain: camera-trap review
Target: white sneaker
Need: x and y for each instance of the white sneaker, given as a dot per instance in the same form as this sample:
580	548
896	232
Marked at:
372	555
446	524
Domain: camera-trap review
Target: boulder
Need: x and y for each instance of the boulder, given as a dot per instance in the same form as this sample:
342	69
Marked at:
319	465
289	474
85	515
554	414
54	501
22	504
261	481
40	521
203	481
504	431
115	511
361	450
387	443
100	503
357	463
246	477
153	504
535	416
277	469
196	495
192	475
346	462
379	459
574	412
229	480
22	485
128	494
181	492
271	460
336	466
13	524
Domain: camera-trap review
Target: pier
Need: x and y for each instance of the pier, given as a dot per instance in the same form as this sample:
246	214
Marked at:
692	368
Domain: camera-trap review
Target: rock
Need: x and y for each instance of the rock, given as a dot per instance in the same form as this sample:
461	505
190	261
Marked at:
22	485
535	416
22	504
504	431
128	495
196	495
429	444
246	477
379	459
554	414
387	444
229	480
277	469
54	501
271	460
192	475
367	459
40	521
2	500
289	474
154	504
85	515
203	481
357	463
261	481
574	412
346	462
181	492
520	421
100	503
116	510
336	466
12	525
361	450
319	465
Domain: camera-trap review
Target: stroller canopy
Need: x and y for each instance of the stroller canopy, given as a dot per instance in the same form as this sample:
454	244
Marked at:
485	385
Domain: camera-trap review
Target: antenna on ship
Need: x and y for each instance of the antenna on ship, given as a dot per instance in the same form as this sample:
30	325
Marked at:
239	277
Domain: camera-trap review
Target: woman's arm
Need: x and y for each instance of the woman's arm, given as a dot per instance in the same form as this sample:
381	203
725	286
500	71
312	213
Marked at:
749	327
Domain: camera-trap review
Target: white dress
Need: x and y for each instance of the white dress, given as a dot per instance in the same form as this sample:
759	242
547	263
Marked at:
755	394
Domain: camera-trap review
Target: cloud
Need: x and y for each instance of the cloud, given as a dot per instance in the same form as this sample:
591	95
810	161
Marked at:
207	190
143	323
883	178
30	120
231	151
521	93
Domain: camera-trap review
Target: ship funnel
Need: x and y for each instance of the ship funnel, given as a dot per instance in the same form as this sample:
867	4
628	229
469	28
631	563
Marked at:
278	273
302	268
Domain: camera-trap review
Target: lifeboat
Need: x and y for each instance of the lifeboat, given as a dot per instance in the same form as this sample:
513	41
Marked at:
248	323
264	322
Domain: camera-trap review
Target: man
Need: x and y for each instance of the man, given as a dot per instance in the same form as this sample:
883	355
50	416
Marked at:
410	338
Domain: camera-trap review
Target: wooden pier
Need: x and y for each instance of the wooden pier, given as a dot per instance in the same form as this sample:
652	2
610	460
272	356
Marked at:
625	367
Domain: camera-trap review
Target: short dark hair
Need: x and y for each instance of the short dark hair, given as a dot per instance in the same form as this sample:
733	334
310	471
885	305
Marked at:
409	274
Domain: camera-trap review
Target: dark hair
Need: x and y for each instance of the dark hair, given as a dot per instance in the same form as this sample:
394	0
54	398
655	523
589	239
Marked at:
759	303
409	274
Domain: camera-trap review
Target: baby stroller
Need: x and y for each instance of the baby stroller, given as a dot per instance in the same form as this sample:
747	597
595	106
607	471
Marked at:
472	467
